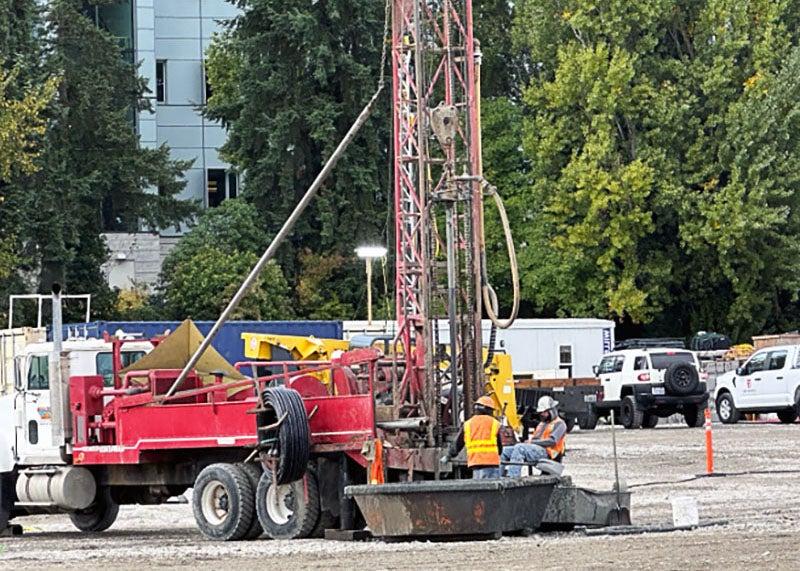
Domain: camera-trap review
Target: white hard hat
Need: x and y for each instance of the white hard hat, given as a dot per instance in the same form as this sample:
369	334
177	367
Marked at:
546	403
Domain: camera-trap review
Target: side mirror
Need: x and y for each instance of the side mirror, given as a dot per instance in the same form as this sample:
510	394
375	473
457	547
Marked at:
18	362
595	369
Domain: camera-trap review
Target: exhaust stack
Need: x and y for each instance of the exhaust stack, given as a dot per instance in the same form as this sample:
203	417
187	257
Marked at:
59	394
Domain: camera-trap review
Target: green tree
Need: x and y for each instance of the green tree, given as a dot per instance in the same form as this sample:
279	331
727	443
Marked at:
655	194
201	286
203	271
91	176
288	79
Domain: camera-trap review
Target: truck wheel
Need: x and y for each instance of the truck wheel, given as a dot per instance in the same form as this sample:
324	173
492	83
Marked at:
726	410
695	416
588	421
7	495
650	421
223	502
681	379
292	437
570	422
99	516
253	472
288	511
787	415
631	415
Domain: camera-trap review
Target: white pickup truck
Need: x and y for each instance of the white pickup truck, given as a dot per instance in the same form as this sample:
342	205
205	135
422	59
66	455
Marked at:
768	382
643	385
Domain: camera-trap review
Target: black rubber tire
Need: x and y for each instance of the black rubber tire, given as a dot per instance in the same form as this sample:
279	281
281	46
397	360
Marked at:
293	448
695	417
650	421
253	472
238	498
733	416
589	420
681	379
99	516
631	415
570	422
303	502
7	497
787	415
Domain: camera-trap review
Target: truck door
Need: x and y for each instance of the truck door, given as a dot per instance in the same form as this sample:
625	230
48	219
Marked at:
749	383
34	425
773	380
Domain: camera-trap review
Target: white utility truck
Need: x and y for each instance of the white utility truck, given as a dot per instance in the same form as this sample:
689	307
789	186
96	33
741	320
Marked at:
31	438
643	385
768	382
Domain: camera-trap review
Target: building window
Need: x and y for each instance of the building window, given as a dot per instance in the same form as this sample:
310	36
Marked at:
233	184
565	358
208	91
215	187
161	81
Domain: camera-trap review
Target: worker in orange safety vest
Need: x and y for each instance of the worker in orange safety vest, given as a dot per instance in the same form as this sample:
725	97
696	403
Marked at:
548	441
480	435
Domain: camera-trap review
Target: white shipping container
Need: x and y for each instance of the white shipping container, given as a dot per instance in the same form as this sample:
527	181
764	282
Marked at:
535	345
12	343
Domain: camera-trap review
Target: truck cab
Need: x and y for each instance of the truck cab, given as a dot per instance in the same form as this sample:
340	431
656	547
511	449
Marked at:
643	385
769	381
26	420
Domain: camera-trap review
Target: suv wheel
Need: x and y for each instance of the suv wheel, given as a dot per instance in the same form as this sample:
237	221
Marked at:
787	415
650	421
726	410
681	379
695	416
631	415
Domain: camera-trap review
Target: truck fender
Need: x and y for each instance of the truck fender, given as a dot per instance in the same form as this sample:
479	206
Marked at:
7	462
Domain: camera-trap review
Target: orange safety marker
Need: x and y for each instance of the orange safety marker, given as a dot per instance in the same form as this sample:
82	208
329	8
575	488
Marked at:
376	466
709	444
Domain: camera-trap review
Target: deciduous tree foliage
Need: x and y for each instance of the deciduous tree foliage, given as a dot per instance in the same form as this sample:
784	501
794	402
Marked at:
288	78
91	175
662	142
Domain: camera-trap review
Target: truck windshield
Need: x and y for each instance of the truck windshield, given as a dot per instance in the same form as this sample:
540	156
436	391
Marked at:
105	364
664	360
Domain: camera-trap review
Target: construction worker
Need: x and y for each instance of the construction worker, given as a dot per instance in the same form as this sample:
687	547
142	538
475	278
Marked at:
547	442
481	437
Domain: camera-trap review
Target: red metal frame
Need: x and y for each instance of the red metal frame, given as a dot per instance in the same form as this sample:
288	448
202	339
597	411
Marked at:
433	62
137	428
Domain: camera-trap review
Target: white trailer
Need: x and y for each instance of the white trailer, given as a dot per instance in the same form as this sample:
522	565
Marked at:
545	348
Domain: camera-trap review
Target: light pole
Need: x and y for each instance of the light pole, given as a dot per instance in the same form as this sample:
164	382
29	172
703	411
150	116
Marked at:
369	253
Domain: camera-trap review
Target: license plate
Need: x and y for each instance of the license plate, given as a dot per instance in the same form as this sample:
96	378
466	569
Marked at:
659	391
589	398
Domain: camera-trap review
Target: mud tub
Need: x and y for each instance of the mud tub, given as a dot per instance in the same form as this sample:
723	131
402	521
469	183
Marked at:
449	508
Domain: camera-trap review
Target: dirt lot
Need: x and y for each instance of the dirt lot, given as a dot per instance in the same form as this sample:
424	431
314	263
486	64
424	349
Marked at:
763	513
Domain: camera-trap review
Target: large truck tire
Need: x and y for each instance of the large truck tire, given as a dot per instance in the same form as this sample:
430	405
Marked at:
650	421
223	502
588	421
681	379
570	422
631	415
253	472
726	410
288	511
292	437
7	495
695	416
787	415
99	516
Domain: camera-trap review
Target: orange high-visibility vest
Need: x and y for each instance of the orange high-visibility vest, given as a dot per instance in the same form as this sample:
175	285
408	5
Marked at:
480	440
559	447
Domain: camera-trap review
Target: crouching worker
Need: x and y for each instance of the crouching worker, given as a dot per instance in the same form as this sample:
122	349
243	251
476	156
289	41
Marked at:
480	435
547	442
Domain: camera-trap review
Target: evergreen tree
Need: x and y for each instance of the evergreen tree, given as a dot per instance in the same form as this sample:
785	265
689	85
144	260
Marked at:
288	78
92	175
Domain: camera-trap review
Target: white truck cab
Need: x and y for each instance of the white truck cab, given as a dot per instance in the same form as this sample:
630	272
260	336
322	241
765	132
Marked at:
643	385
769	381
26	427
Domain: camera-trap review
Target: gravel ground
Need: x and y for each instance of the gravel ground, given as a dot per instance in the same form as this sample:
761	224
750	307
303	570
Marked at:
762	511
